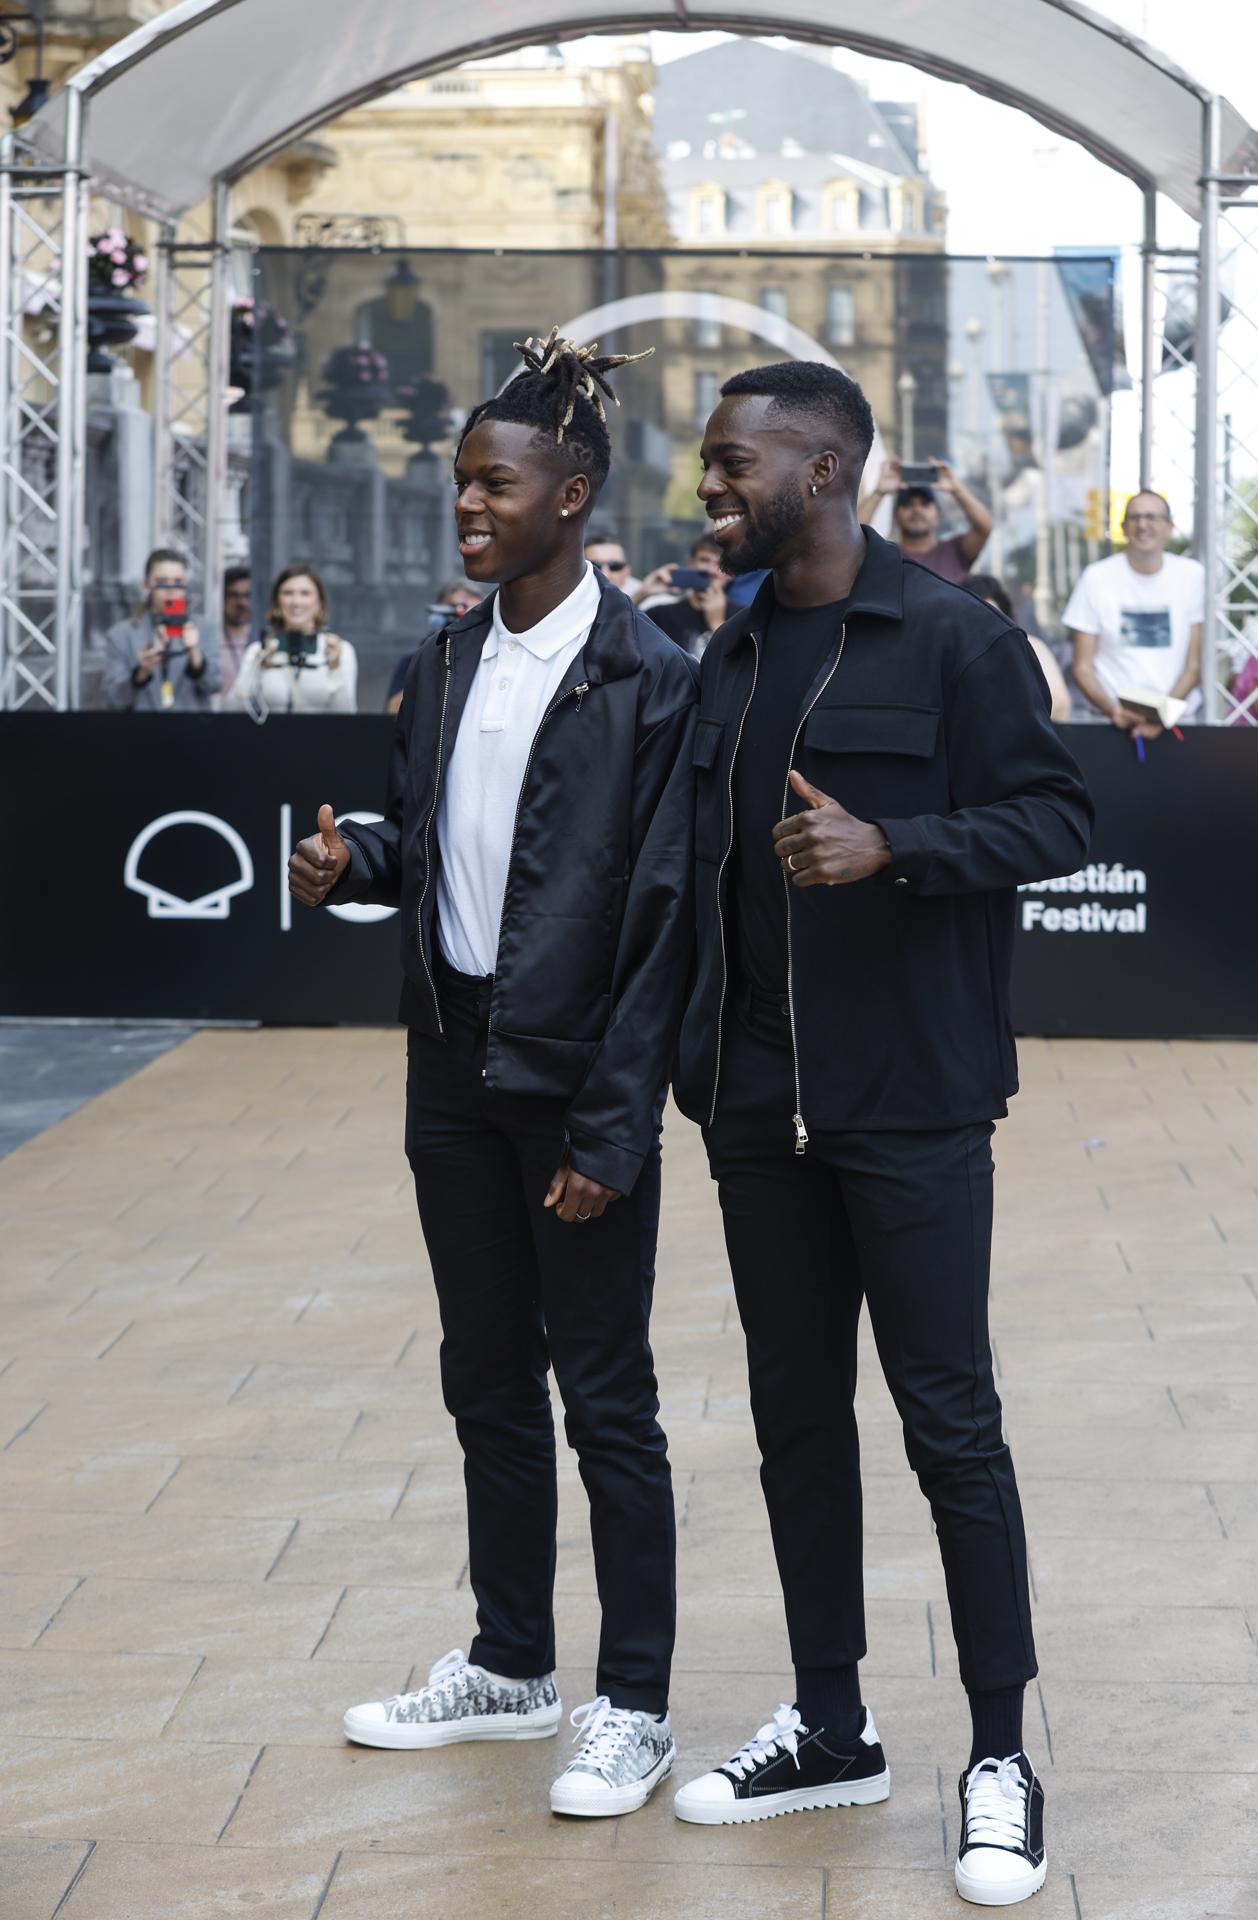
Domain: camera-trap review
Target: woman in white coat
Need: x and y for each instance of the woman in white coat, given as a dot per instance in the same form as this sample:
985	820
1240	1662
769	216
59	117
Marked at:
300	666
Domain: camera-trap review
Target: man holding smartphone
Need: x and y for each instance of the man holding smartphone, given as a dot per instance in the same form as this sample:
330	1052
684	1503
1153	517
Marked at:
915	517
157	661
694	617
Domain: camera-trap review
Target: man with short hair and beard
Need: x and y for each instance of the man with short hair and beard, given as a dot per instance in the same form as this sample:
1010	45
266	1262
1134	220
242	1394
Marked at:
537	838
877	774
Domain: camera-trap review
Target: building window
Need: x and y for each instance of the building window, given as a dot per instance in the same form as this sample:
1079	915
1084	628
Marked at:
707	212
909	222
840	317
707	393
842	207
406	344
707	321
775	211
499	361
773	300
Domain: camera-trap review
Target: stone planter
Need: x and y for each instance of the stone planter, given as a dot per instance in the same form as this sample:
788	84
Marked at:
111	319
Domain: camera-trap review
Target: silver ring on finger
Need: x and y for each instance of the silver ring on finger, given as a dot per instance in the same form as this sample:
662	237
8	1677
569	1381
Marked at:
585	1216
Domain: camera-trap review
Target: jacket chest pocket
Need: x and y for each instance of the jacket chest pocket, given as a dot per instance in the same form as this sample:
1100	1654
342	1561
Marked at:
881	757
707	758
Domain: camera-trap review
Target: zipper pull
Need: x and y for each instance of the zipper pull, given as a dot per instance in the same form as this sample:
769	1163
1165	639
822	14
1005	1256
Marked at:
801	1134
448	645
581	692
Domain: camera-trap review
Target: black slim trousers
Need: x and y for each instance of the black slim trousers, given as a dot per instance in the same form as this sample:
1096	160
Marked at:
520	1291
902	1220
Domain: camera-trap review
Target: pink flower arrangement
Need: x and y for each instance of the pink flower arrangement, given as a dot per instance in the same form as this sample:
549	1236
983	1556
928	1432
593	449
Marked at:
258	317
359	365
114	262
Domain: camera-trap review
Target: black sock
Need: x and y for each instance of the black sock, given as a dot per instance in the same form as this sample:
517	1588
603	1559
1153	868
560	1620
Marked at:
830	1697
997	1721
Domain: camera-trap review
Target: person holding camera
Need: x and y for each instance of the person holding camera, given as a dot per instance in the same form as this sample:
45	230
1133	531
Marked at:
300	666
454	599
157	661
915	517
700	607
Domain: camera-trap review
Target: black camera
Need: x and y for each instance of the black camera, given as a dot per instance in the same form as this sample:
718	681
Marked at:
300	648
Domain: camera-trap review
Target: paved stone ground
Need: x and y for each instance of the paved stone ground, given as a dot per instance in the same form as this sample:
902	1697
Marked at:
49	1069
230	1505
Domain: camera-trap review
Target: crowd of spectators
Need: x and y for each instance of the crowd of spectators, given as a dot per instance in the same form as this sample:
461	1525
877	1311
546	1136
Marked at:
1133	622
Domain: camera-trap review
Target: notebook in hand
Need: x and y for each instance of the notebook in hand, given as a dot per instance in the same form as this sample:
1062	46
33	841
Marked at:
1146	703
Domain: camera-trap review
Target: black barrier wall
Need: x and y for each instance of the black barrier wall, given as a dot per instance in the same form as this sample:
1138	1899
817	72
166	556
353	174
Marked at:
145	869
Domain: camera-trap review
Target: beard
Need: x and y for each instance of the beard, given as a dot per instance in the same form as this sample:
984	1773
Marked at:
765	534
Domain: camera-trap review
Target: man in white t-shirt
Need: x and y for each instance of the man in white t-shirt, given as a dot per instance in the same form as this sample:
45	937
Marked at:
1136	618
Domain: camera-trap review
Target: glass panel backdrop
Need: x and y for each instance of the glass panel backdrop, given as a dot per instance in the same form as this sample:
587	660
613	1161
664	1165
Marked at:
1002	368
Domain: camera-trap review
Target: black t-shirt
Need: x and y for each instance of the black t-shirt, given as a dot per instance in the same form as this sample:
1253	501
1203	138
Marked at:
795	648
681	621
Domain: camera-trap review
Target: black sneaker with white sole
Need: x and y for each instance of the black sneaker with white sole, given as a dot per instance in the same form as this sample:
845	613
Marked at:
787	1767
1001	1859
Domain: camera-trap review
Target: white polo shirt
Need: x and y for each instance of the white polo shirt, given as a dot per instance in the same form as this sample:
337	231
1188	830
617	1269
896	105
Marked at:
518	676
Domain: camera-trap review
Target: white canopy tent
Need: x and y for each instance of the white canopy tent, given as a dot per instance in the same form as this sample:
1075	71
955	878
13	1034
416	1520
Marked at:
212	87
180	109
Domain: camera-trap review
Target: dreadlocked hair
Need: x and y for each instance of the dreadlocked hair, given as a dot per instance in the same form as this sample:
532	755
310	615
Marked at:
561	392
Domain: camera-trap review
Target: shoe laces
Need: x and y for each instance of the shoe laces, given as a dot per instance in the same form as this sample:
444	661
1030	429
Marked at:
779	1735
449	1674
602	1730
995	1804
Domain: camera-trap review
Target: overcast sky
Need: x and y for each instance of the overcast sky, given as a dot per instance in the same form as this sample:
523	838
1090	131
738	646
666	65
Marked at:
1046	192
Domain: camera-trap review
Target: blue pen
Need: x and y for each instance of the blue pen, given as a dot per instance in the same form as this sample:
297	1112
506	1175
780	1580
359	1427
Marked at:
1139	748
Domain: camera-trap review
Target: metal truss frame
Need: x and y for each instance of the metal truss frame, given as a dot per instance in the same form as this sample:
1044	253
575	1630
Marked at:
193	340
43	388
1232	390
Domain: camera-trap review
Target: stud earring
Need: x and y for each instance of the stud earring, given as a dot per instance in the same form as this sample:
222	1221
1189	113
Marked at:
563	511
814	487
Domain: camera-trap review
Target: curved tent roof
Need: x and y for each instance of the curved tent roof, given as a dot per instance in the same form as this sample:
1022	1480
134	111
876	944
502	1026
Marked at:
212	87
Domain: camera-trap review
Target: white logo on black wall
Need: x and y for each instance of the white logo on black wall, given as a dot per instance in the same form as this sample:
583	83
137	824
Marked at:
162	904
1118	903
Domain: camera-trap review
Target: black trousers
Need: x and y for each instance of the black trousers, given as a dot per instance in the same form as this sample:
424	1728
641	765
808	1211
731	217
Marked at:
902	1220
518	1291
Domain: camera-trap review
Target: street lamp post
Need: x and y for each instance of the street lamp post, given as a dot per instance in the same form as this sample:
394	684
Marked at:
906	386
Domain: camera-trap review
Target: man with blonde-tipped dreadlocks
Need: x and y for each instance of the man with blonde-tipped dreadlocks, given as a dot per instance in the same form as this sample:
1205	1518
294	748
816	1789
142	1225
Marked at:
537	837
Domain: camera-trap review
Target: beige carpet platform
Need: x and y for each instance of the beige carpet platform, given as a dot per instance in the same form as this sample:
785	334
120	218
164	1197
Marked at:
230	1506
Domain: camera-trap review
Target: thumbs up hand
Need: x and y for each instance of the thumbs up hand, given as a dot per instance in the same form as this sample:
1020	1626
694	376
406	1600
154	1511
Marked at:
315	865
827	846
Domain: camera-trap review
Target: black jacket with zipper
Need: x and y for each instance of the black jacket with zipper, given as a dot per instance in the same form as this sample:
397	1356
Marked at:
597	921
929	717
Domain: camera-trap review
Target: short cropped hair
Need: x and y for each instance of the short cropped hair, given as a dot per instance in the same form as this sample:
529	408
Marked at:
987	587
1153	494
812	390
